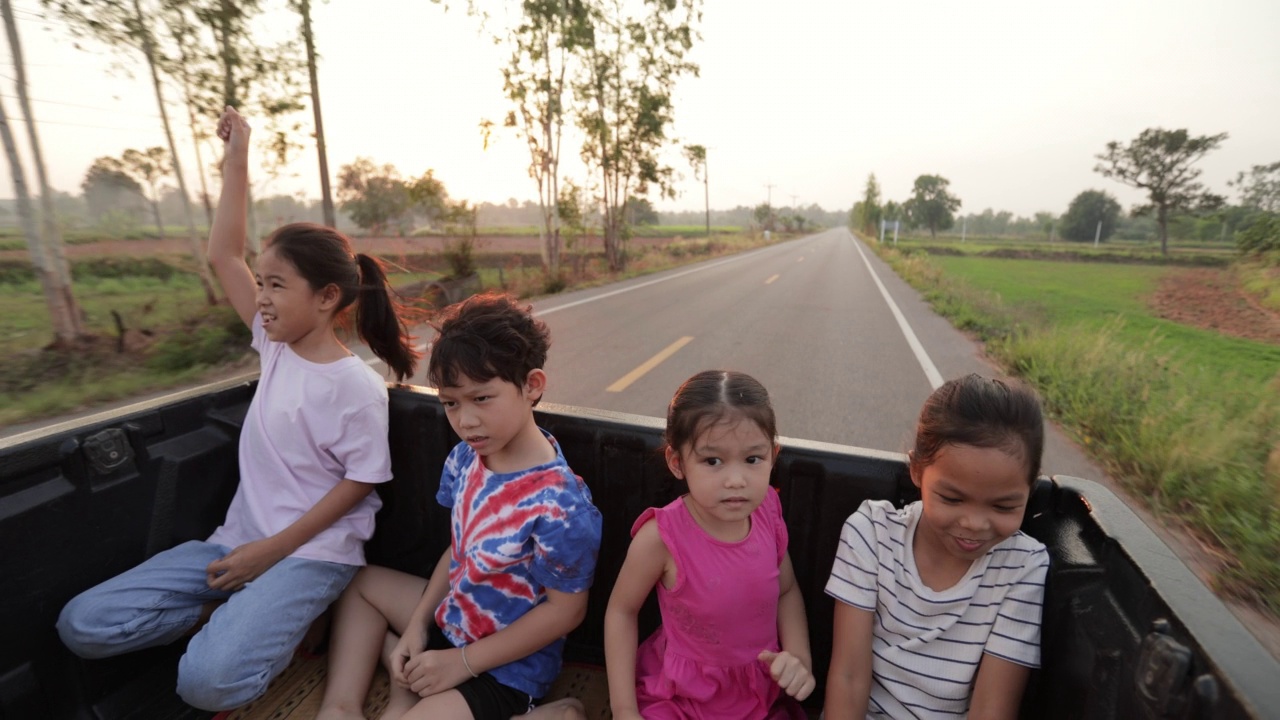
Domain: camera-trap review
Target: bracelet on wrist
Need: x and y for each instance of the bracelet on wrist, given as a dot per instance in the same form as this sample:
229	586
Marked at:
466	664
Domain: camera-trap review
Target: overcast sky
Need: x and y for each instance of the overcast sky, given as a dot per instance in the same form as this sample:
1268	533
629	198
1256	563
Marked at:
1008	100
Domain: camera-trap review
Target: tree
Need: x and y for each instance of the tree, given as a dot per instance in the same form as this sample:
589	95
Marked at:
640	212
543	44
326	198
64	309
1160	162
58	297
1260	190
372	195
124	26
1044	222
573	220
1080	223
624	95
763	216
697	155
148	168
869	211
892	211
428	198
931	205
107	187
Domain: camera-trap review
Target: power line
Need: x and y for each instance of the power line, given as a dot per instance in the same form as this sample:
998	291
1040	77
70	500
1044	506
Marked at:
96	127
86	107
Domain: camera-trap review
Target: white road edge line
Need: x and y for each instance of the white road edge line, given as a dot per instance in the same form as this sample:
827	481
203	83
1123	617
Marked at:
926	364
637	286
647	283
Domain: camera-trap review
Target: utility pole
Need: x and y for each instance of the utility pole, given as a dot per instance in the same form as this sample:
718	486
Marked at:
706	195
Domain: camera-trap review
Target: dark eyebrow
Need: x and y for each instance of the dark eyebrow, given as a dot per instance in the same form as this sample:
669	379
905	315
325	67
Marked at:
754	449
949	488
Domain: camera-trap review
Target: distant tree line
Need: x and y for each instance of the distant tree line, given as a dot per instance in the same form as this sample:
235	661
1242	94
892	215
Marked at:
1159	162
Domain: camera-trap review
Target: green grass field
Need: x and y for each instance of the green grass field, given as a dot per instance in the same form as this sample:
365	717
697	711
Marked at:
191	339
1187	419
1091	296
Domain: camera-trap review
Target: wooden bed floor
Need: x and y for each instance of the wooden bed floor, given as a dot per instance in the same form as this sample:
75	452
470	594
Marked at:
296	694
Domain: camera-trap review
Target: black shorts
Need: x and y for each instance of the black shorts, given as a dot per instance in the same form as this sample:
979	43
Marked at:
487	698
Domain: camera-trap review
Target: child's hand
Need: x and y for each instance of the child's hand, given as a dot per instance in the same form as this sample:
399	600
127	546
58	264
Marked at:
790	674
435	671
243	565
410	644
234	131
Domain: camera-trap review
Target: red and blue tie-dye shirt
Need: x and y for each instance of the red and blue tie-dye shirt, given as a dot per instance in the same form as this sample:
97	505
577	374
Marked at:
513	536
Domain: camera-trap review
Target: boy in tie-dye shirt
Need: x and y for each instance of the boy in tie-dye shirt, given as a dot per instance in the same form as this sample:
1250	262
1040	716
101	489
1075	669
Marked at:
483	637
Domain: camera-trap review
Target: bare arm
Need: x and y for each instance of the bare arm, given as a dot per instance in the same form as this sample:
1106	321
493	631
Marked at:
414	639
849	679
250	560
435	671
228	234
792	668
437	588
646	562
997	691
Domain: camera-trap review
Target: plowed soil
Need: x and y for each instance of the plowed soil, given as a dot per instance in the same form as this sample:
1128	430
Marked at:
1210	298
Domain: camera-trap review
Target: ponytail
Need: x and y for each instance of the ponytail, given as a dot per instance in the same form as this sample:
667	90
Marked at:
379	320
324	257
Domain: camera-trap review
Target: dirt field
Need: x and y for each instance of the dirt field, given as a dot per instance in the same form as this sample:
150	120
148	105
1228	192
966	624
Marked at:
1210	298
383	246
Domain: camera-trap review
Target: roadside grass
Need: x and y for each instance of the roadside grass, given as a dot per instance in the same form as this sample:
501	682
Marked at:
1128	251
642	231
1262	281
177	338
1187	419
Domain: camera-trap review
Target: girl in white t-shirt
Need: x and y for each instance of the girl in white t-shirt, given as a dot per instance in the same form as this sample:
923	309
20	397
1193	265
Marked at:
939	603
313	446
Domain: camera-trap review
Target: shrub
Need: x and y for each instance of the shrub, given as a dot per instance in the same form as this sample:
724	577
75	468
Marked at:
1261	237
205	340
460	254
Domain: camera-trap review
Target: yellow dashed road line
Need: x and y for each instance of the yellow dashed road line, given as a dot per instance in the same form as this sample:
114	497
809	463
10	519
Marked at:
653	362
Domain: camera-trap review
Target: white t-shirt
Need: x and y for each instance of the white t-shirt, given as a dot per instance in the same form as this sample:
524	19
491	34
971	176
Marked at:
309	426
926	644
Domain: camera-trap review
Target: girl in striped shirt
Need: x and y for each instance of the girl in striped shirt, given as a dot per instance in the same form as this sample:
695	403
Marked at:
939	602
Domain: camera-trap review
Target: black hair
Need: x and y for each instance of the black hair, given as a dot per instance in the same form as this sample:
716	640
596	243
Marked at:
981	412
323	256
484	337
712	396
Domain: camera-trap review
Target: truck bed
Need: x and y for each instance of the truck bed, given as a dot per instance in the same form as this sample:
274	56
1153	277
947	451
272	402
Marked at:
1129	632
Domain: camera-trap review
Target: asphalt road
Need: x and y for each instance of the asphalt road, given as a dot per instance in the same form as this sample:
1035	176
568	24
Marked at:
847	350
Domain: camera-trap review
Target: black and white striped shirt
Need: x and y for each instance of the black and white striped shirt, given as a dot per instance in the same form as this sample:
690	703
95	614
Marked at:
927	644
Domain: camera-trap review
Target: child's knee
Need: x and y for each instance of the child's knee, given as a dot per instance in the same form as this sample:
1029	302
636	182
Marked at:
219	681
81	630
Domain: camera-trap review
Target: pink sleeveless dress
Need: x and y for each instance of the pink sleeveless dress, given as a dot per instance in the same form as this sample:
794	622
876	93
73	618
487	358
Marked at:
723	611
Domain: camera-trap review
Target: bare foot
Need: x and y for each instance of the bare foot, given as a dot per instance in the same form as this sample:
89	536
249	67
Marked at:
562	709
339	713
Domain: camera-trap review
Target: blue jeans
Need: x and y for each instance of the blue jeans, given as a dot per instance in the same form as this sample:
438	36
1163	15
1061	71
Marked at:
248	640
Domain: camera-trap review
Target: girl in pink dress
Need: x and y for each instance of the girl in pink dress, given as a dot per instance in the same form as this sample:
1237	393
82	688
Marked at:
733	643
